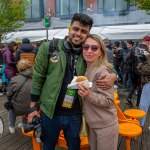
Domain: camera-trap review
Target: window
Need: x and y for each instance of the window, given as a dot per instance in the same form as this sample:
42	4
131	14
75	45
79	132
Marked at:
69	7
109	5
132	6
84	9
66	8
121	5
35	10
112	7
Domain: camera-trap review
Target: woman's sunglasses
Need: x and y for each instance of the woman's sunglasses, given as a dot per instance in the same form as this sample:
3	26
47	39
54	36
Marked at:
94	48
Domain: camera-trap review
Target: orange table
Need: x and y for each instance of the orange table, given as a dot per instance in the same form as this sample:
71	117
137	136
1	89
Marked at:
134	113
129	130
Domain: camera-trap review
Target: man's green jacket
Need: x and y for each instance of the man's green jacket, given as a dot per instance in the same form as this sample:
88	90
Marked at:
49	74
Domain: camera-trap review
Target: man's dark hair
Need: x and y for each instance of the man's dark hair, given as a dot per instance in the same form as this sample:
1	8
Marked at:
130	42
25	41
117	44
83	19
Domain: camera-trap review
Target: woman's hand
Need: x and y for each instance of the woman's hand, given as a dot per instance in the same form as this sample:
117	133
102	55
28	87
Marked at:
83	90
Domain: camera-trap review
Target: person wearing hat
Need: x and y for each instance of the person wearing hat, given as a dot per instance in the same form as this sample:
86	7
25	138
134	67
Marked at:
146	40
24	48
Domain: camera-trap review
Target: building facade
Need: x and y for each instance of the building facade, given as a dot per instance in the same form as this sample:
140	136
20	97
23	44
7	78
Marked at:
103	12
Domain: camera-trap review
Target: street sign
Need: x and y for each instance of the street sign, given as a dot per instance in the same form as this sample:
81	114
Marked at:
47	22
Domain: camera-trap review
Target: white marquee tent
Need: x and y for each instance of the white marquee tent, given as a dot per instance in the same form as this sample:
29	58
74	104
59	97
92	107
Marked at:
111	32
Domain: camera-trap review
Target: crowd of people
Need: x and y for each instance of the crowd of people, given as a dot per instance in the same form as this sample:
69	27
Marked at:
78	54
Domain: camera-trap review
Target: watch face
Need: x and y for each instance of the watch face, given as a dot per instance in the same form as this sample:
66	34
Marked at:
1	127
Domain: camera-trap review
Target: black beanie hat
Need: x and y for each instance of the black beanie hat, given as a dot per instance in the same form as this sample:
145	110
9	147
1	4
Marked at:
25	41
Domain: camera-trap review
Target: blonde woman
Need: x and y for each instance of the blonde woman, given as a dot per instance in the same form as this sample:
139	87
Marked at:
21	102
100	112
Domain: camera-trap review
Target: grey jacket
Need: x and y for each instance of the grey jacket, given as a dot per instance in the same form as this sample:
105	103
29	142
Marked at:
21	103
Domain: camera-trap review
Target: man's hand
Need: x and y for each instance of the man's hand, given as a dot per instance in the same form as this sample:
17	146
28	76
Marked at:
106	81
83	90
32	114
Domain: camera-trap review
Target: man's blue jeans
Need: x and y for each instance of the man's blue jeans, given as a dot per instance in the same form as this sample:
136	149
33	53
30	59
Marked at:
70	126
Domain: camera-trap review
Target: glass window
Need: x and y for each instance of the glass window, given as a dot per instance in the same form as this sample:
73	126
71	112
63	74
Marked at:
113	5
74	6
36	9
67	7
64	7
44	6
84	9
121	5
132	6
109	5
100	4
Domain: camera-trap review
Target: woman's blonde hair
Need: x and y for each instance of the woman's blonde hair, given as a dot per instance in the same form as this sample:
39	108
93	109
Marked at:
23	64
103	60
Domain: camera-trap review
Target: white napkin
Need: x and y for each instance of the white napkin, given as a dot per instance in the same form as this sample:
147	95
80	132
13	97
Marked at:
74	84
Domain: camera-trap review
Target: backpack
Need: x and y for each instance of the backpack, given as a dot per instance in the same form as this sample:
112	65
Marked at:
11	96
52	47
29	56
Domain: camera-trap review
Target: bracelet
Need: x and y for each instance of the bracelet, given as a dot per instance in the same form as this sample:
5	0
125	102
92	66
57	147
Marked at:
34	108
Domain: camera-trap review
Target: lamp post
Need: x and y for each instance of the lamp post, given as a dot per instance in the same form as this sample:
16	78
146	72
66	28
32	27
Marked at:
47	22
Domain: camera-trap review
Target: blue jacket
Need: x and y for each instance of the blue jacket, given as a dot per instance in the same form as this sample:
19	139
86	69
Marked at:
4	79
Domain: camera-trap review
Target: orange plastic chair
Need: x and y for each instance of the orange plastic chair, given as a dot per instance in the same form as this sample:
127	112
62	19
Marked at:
29	56
117	101
122	118
36	145
115	96
128	128
61	141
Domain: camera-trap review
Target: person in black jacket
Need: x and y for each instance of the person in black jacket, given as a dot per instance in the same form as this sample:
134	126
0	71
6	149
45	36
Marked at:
117	59
24	48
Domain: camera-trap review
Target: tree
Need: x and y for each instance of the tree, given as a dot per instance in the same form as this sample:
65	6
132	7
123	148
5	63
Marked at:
12	15
142	4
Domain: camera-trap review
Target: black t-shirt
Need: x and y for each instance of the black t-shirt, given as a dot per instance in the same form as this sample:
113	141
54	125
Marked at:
59	110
